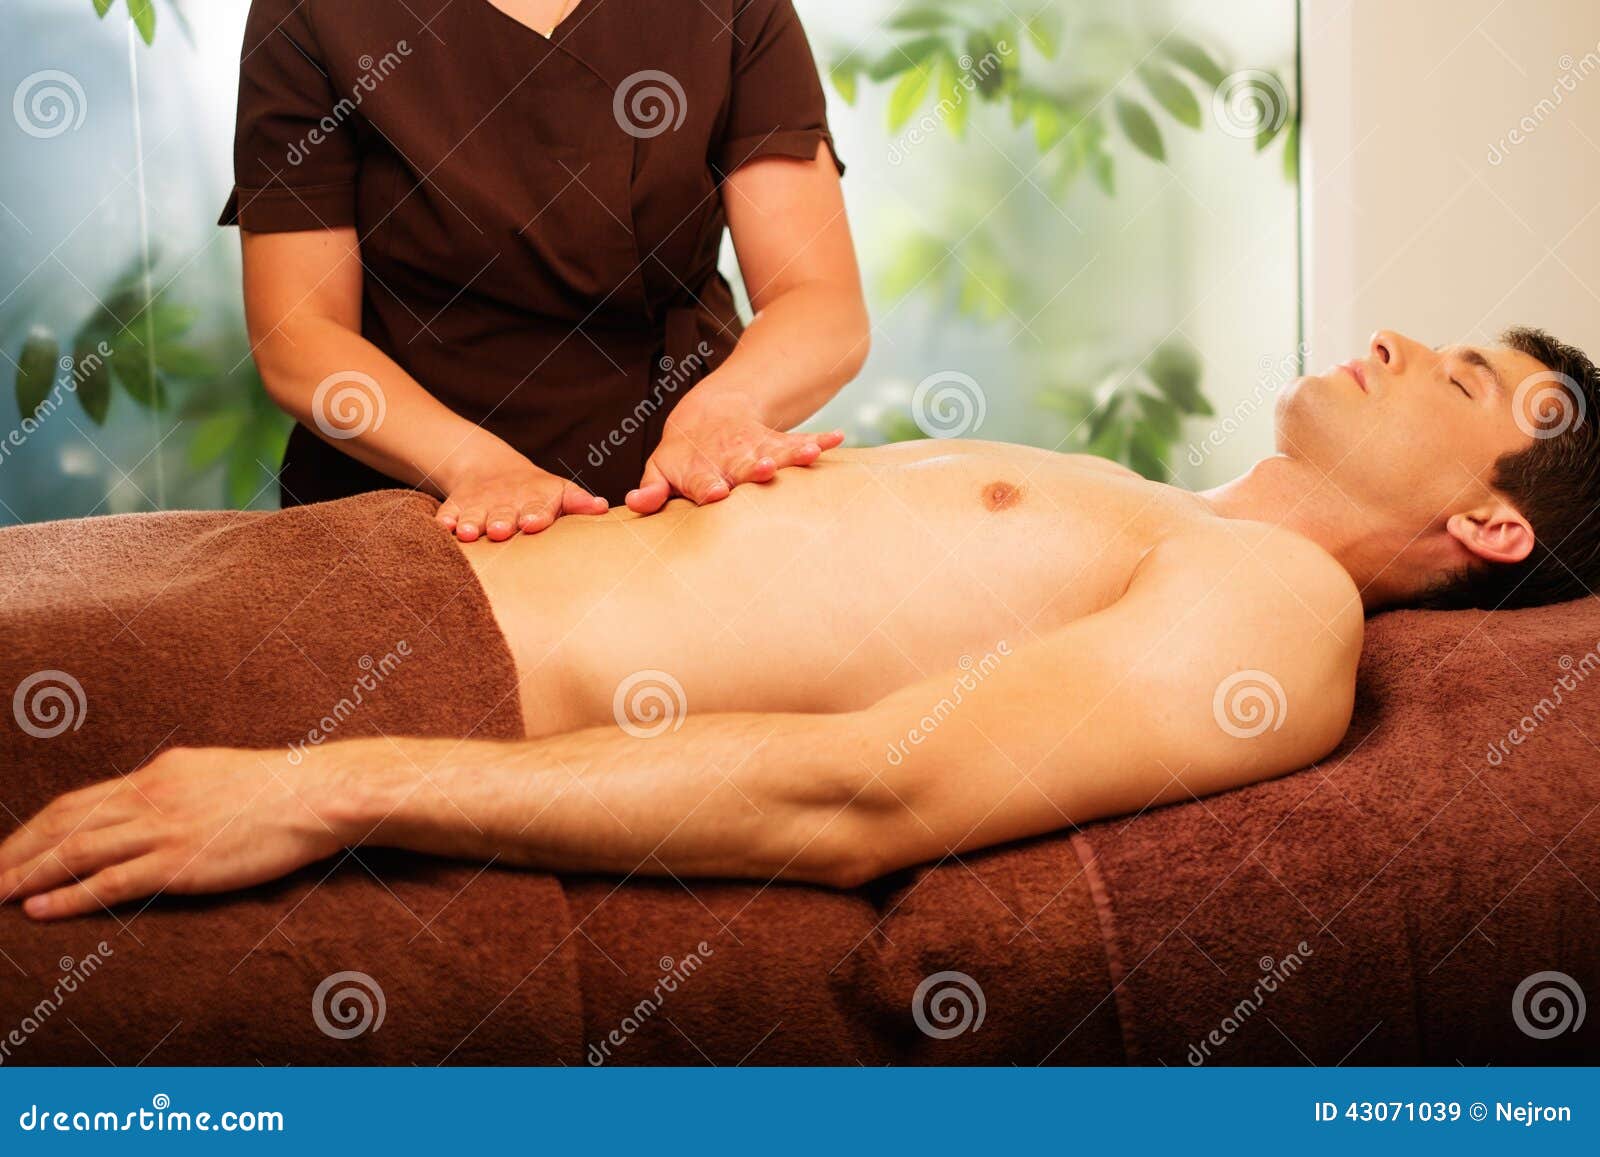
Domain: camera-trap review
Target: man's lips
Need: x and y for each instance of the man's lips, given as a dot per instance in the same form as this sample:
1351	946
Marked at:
1355	370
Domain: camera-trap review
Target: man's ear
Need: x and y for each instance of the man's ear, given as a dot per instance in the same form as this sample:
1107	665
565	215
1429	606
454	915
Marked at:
1495	532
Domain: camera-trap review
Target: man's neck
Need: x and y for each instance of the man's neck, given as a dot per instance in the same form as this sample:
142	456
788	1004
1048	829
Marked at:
1289	493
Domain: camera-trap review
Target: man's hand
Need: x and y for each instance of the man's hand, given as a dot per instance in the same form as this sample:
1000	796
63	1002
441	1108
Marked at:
496	499
190	821
715	441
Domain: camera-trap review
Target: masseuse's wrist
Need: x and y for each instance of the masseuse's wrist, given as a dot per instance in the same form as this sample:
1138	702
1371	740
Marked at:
480	453
720	392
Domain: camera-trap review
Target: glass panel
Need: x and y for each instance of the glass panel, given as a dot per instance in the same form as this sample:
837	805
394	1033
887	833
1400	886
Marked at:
1072	235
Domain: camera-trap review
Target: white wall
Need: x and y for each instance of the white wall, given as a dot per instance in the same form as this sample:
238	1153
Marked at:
1451	169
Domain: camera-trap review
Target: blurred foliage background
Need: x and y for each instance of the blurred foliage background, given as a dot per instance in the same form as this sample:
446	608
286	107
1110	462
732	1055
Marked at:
1051	201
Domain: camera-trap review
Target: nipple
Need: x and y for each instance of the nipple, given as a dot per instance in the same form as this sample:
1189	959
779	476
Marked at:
1001	495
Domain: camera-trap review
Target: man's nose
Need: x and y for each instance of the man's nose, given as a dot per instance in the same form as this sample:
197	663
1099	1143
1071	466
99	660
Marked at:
1389	348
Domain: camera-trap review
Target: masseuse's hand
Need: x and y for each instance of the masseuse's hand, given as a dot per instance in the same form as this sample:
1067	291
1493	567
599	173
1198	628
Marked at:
191	820
715	441
497	498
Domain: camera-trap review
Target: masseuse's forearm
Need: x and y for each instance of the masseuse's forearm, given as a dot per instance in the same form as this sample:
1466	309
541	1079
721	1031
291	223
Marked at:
419	441
798	352
750	796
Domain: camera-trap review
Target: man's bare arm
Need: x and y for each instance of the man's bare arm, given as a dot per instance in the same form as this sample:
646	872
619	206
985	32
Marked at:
1225	662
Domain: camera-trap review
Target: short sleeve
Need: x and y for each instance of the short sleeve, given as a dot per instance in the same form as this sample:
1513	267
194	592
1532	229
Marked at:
775	103
295	158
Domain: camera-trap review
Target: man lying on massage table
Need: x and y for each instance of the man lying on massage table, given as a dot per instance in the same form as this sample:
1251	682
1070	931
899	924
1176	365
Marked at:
817	628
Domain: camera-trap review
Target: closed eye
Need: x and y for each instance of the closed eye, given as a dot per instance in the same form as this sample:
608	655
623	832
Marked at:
1460	387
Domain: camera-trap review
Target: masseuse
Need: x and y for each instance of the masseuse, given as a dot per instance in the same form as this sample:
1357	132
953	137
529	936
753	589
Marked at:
481	242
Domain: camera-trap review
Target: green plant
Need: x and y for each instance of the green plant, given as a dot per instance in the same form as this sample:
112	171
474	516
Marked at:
1085	93
143	15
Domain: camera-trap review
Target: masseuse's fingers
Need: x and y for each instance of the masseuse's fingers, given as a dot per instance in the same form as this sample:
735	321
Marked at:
470	524
448	515
652	492
500	523
705	483
576	500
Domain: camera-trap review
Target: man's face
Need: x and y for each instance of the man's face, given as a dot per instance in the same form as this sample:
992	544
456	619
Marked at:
1409	430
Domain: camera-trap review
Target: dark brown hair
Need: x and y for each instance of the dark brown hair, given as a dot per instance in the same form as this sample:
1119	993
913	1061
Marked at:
1554	483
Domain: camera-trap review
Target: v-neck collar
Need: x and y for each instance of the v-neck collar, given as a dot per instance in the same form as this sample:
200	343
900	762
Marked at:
555	33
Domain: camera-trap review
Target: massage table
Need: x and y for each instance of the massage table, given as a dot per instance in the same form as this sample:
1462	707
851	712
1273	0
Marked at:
1427	894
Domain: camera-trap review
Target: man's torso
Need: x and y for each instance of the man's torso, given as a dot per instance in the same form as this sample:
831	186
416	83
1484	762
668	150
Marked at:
828	588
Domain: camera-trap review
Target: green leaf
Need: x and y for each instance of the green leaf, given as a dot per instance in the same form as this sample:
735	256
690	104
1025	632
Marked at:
214	437
93	373
846	78
1044	29
952	97
1103	167
1171	94
144	18
36	370
1140	128
920	19
1175	369
1049	126
1148	452
907	97
132	363
185	362
245	475
101	7
1160	416
1291	153
1191	56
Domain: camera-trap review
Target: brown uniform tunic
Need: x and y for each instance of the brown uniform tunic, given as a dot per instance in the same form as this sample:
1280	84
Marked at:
539	220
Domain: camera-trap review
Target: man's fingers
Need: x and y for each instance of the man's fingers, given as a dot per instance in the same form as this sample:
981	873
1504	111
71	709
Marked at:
73	859
110	886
